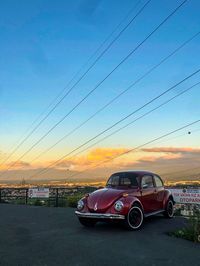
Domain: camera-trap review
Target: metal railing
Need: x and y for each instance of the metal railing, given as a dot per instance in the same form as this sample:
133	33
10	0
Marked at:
58	196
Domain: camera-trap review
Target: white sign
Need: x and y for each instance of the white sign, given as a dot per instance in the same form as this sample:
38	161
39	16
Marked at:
190	195
38	192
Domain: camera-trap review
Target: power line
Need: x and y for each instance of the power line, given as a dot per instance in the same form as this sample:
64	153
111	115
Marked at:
177	172
108	75
130	123
138	118
116	97
84	74
127	116
139	147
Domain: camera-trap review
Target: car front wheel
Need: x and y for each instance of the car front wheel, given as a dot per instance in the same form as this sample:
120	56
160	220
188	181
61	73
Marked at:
87	222
135	218
169	210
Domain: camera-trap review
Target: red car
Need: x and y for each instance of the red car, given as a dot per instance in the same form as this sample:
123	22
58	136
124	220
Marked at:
128	197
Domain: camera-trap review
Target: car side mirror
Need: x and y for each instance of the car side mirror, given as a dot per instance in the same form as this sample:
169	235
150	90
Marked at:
144	186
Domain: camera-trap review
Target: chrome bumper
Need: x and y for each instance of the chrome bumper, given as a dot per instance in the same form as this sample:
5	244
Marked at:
100	215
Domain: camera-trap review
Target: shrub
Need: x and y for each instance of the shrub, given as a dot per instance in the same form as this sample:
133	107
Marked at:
38	202
72	200
194	226
192	231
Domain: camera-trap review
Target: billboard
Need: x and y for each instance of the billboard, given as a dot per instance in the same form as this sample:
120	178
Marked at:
186	195
38	193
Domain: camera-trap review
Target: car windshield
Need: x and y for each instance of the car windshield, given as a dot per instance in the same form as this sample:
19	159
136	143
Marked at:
123	179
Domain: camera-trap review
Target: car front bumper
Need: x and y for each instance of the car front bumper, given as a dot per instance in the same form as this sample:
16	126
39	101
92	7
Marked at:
100	215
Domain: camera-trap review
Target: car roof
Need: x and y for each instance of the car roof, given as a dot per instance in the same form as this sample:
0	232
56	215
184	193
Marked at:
138	172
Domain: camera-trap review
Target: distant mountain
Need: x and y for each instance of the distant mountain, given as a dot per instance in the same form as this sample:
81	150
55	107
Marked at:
16	176
51	175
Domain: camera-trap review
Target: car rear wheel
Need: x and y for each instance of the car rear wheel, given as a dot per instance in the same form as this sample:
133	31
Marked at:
169	210
87	222
135	218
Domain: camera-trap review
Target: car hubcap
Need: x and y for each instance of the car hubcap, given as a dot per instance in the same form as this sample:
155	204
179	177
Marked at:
170	208
135	217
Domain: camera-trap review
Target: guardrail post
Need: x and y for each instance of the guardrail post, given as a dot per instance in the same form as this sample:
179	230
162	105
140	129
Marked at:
56	197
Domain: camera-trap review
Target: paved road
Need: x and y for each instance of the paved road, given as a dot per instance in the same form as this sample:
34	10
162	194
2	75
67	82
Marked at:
41	236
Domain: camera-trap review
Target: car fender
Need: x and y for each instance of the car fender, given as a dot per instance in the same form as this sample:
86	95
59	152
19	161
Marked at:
167	195
129	201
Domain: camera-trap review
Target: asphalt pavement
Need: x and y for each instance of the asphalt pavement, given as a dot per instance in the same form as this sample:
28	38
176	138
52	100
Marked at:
42	236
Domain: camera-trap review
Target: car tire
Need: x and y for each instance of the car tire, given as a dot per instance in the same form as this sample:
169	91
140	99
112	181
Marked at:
169	210
134	218
87	222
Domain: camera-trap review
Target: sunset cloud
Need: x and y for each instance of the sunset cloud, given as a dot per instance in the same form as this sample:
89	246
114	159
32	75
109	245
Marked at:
172	150
19	165
104	153
162	160
92	157
131	160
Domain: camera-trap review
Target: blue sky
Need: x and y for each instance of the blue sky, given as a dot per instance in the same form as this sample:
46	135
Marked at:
43	43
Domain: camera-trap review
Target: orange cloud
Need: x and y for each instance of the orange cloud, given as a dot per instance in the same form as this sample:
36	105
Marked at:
159	159
172	150
91	158
104	153
98	155
19	165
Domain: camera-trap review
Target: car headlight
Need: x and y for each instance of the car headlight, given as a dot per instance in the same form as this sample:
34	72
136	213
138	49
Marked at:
80	205
119	205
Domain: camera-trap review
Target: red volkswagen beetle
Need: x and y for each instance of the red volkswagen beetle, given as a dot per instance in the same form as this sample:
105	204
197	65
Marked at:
128	197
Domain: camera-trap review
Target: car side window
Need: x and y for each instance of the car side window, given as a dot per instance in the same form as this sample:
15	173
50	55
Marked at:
158	181
147	181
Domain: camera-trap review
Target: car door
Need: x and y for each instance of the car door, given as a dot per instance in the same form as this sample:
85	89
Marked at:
159	193
148	194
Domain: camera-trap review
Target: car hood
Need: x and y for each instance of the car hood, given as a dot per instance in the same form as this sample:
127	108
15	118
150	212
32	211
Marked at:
102	199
